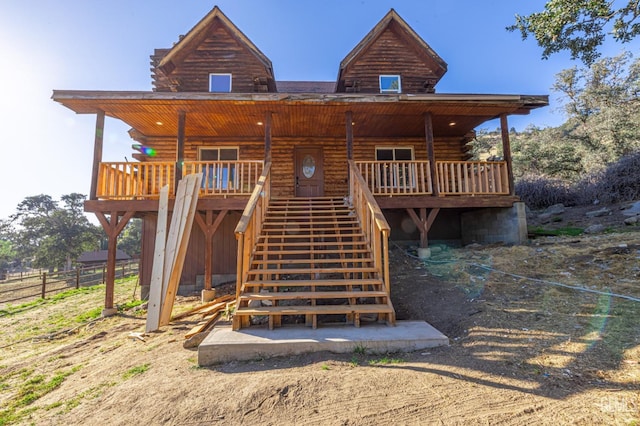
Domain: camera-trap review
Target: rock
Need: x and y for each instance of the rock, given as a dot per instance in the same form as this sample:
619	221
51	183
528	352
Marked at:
632	209
195	340
599	213
544	217
555	209
633	220
594	229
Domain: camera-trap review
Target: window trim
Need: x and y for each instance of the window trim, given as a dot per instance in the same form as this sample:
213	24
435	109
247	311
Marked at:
388	91
214	74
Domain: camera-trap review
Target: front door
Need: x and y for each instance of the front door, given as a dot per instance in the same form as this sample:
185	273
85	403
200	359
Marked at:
309	172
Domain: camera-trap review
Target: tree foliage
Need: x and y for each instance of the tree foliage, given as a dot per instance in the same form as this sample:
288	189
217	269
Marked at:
51	235
130	241
580	26
602	106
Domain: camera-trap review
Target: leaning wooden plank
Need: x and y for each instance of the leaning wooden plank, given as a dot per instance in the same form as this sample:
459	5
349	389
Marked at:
191	202
155	289
198	309
202	326
172	238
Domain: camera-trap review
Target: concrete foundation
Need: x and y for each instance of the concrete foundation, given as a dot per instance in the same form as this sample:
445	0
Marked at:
224	344
109	312
495	225
424	253
208	295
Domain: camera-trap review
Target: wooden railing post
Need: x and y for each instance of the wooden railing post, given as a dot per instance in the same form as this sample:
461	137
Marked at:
77	278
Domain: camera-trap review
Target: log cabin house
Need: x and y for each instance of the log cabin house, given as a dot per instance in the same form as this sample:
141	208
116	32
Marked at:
303	182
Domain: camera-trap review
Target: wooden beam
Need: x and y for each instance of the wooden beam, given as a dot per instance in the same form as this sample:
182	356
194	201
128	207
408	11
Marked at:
106	206
267	136
452	202
97	154
428	134
209	228
506	151
112	227
349	130
180	147
423	223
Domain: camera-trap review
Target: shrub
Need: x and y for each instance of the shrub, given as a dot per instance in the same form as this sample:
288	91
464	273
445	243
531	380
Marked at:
539	192
620	181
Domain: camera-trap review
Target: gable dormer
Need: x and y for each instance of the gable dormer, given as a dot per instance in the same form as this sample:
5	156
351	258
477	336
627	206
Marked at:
214	56
391	58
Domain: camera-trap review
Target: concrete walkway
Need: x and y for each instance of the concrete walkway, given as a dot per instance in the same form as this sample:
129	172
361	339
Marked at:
224	344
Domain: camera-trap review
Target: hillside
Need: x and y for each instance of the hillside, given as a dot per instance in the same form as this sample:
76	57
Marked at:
524	350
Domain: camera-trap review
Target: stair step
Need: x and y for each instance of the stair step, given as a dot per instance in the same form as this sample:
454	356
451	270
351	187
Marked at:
310	227
316	252
276	244
309	261
289	271
346	221
347	235
296	295
318	283
317	310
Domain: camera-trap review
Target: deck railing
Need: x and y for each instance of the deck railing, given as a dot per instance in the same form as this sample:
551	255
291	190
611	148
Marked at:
374	225
125	180
143	180
396	177
393	178
472	177
226	177
250	225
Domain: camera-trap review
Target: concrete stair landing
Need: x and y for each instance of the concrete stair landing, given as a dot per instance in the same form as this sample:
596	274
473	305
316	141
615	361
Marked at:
224	345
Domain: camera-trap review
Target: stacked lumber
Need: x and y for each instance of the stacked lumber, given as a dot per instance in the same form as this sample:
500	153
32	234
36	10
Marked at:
171	249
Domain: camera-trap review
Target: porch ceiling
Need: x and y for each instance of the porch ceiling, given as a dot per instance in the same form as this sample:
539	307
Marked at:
318	115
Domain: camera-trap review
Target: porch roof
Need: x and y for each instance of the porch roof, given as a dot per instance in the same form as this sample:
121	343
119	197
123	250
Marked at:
298	114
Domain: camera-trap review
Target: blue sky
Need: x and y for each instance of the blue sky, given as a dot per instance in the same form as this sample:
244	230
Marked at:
105	45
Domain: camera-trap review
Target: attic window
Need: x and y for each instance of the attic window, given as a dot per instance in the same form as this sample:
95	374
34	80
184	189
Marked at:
220	83
390	84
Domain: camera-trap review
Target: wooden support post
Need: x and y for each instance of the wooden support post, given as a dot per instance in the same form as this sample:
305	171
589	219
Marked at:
97	154
428	134
506	151
349	127
180	148
112	227
209	227
267	136
423	223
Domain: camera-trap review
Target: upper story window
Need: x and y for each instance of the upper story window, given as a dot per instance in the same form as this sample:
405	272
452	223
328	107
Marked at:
390	84
220	83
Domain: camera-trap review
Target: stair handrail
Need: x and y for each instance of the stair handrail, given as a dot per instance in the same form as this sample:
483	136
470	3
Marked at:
374	224
250	225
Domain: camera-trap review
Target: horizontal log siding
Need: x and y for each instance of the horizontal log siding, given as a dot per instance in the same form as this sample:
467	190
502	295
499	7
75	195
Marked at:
446	149
395	55
220	52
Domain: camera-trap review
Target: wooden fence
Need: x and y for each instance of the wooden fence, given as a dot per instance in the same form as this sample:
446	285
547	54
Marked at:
42	284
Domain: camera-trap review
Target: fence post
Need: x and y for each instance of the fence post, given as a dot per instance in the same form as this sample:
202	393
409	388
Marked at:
77	278
123	266
103	275
44	284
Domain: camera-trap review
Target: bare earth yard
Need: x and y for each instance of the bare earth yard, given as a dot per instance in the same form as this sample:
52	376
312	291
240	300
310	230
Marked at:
522	352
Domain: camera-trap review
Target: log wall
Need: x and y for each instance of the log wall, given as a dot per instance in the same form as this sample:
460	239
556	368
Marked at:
220	52
393	54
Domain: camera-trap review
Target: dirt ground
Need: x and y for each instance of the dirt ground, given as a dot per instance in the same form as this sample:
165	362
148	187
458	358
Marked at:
524	349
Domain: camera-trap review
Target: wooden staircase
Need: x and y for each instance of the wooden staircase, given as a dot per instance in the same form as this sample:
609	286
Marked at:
312	264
